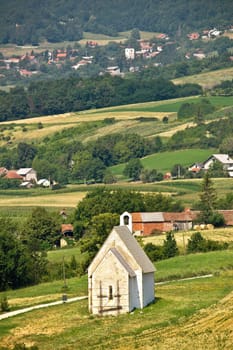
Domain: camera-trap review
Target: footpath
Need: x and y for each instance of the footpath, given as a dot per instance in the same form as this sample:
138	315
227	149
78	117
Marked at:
40	306
70	300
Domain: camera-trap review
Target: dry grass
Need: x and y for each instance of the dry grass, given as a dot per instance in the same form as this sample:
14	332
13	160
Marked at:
53	200
209	79
221	235
171	132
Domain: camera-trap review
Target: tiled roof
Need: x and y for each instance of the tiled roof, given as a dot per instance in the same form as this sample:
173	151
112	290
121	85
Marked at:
12	174
66	227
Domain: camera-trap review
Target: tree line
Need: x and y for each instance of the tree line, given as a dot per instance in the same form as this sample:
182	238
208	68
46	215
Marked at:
76	94
24	22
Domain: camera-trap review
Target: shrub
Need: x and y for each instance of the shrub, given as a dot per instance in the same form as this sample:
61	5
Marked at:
154	252
4	304
197	243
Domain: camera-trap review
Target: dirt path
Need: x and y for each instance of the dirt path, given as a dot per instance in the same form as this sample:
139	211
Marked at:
41	306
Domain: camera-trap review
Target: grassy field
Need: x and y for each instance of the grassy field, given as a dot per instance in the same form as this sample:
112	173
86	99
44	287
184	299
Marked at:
164	161
18	203
209	79
194	310
89	125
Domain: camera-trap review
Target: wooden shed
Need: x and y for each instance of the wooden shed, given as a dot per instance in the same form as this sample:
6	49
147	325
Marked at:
121	276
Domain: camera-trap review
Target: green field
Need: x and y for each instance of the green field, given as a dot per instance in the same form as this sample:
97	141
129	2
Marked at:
174	105
164	161
182	313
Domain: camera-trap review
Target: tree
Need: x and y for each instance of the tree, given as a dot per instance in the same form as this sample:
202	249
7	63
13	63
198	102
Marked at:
217	170
26	154
42	230
17	263
133	169
170	248
208	199
178	171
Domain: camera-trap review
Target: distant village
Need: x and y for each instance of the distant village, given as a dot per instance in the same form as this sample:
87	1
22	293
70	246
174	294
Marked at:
74	58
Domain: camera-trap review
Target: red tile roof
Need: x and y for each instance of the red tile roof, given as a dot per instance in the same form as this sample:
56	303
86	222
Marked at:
12	174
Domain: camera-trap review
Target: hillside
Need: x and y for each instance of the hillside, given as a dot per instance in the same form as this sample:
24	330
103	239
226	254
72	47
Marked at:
195	310
31	21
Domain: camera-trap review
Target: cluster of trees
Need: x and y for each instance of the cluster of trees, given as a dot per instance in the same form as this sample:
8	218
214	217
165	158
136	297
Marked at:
30	23
76	94
23	248
197	110
216	134
223	89
196	244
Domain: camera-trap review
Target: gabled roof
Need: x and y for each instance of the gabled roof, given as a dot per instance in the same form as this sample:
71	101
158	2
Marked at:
223	158
134	248
131	249
12	174
187	215
148	217
24	171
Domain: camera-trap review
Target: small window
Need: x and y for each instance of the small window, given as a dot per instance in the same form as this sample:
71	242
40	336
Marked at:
110	294
126	220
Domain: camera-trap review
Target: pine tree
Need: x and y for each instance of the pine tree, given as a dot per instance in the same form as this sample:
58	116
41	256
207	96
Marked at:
170	248
208	199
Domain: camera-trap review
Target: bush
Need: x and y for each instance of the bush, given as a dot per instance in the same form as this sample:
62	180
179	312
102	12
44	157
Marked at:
4	304
197	243
154	252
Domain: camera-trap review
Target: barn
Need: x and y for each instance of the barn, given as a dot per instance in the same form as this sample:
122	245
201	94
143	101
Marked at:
147	223
121	276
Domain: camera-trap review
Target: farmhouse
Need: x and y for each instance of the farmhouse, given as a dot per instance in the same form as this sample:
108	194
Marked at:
145	224
121	276
224	159
28	174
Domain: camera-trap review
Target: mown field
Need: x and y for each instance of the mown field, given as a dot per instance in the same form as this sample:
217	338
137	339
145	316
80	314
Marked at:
184	312
209	79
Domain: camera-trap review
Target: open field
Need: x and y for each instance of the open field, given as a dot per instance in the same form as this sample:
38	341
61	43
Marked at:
185	312
209	79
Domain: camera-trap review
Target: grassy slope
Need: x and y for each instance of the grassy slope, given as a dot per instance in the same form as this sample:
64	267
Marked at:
209	79
176	311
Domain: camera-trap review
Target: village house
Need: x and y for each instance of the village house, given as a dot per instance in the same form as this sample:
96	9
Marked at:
224	159
121	276
27	174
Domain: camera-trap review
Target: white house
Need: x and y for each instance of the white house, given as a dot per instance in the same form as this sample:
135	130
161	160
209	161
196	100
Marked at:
28	174
224	159
121	276
129	53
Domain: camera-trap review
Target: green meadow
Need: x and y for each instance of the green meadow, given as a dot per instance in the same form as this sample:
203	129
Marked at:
164	161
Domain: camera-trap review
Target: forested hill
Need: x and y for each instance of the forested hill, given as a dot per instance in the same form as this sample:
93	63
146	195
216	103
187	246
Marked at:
30	21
